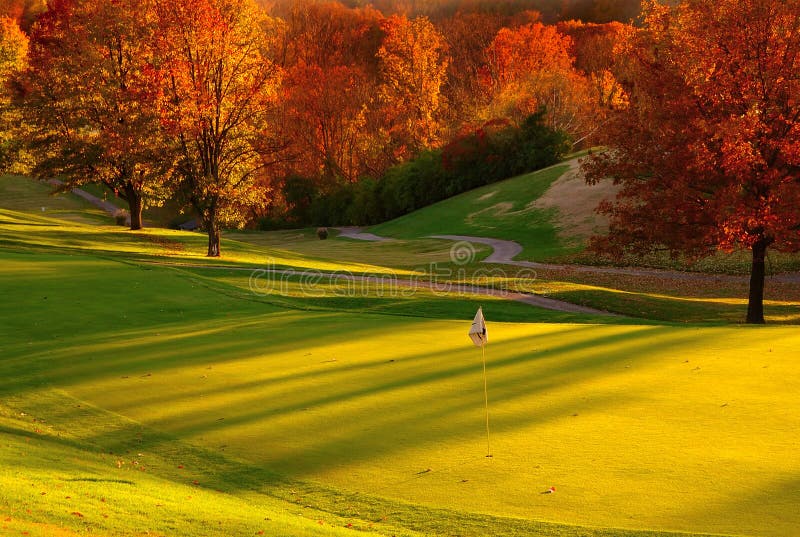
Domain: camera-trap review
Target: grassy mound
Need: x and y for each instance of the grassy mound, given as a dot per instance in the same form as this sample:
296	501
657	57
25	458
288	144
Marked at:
501	210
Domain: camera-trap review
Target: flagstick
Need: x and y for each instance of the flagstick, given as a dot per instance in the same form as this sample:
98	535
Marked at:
486	398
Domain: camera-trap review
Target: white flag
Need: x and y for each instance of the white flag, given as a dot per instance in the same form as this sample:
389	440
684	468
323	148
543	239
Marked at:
477	331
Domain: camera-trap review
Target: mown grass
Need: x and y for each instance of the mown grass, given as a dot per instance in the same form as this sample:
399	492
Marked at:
718	300
23	194
500	210
348	417
703	299
175	401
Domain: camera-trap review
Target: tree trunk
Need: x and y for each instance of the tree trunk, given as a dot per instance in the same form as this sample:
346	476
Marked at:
213	238
134	199
135	207
755	306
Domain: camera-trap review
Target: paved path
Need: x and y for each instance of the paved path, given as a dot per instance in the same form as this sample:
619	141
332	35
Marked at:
356	233
505	252
107	206
390	281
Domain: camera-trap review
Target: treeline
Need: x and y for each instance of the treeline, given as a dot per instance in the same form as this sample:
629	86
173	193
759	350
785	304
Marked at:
313	113
490	154
551	10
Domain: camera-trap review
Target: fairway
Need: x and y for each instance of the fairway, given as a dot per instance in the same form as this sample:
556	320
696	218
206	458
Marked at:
638	427
503	210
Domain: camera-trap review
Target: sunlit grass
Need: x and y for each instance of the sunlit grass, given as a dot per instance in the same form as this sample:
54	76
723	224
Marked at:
642	427
178	401
22	230
665	301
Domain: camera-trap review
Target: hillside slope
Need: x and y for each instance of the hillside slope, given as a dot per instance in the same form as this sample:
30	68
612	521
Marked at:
549	212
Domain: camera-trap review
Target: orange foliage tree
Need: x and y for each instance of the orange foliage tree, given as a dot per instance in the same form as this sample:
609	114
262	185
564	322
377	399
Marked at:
468	35
88	95
13	58
220	91
327	112
530	67
708	152
24	12
594	47
329	54
413	63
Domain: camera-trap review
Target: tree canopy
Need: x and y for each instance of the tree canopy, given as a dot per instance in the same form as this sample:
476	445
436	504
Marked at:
708	151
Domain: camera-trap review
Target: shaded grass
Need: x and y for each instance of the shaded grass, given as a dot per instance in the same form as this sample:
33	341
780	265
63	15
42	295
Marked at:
636	426
26	195
711	300
417	255
106	478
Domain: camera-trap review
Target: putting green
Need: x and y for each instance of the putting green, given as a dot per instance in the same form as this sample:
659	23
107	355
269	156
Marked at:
653	427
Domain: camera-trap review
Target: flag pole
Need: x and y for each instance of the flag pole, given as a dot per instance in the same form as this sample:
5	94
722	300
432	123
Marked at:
486	399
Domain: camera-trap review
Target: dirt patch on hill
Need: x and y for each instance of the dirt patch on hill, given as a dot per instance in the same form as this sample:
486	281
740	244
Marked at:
497	210
576	203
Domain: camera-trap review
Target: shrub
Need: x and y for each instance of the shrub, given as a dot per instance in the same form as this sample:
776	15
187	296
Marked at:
121	217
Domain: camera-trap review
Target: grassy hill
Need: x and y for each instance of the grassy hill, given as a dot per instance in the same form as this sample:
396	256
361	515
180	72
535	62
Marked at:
501	210
551	214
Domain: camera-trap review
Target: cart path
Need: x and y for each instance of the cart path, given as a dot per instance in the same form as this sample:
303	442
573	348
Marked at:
107	206
504	252
351	232
391	281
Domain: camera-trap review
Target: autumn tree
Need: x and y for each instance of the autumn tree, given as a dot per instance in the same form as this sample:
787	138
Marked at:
326	33
708	152
468	35
529	68
594	47
329	55
91	101
221	86
413	62
329	115
13	57
23	12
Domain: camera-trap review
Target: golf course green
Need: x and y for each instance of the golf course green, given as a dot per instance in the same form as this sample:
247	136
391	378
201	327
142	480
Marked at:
145	390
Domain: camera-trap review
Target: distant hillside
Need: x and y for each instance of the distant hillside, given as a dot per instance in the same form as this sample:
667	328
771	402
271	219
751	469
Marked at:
549	212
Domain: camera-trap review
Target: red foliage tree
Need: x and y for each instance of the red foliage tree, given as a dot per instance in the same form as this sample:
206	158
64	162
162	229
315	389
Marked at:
327	113
329	54
708	152
594	47
530	67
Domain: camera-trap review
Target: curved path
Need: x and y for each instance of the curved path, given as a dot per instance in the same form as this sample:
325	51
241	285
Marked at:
505	251
357	234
